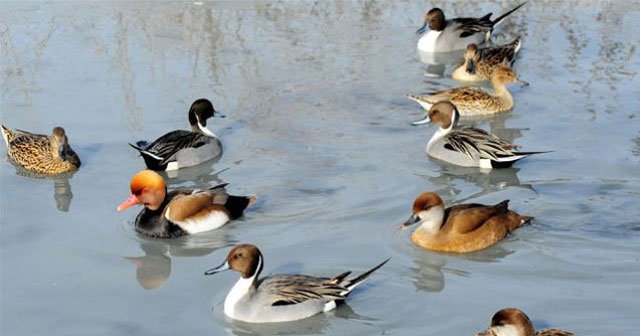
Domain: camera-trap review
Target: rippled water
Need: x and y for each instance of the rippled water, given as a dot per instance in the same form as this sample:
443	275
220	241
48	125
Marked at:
318	127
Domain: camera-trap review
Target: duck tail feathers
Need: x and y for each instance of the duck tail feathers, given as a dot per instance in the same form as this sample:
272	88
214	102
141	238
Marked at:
414	97
5	134
148	156
502	206
524	154
353	283
517	42
219	186
500	18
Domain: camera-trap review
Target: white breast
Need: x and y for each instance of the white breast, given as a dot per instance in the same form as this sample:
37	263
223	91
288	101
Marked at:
239	290
209	222
427	42
506	330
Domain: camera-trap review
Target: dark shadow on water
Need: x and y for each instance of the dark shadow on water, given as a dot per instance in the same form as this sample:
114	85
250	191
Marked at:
154	267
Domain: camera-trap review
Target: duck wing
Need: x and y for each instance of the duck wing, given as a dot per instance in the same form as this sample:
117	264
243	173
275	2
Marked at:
287	289
479	144
471	26
504	54
166	146
466	218
185	207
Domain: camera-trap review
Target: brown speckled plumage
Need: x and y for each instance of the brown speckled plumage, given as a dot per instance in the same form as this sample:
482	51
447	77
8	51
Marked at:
478	64
473	101
40	153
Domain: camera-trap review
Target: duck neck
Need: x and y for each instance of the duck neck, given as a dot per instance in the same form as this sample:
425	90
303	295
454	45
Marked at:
56	148
197	128
500	90
242	288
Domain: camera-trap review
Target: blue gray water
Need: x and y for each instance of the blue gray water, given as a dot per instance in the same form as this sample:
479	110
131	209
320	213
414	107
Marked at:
318	127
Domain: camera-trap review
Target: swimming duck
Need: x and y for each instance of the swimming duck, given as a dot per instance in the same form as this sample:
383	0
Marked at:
180	149
43	154
169	214
479	64
284	297
473	101
456	34
514	322
467	146
463	227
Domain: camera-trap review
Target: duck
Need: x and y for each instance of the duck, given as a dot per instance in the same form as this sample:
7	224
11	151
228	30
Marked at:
468	146
478	64
514	322
181	212
39	153
473	101
282	297
180	149
455	34
461	228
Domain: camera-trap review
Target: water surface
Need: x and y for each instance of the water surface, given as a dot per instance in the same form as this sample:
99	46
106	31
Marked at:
318	127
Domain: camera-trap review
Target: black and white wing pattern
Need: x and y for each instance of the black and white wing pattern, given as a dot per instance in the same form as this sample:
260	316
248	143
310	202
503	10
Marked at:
166	146
470	26
480	144
291	289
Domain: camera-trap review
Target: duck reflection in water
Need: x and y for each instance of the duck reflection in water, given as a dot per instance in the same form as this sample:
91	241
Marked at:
437	62
314	325
430	266
62	193
154	267
200	174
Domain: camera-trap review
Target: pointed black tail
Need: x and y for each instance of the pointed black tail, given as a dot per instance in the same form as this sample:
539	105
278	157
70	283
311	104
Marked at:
503	16
362	277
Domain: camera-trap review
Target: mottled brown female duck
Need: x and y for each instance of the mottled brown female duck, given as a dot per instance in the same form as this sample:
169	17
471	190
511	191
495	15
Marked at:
44	154
478	64
473	101
463	227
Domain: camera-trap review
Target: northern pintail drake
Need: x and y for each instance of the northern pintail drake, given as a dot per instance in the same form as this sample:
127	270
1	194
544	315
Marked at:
467	146
460	228
284	297
479	64
473	101
43	154
455	34
514	322
180	149
169	214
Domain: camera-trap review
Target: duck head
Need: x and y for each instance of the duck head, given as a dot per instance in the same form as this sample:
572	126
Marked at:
504	75
244	258
148	189
434	19
509	322
442	113
471	57
59	142
428	210
200	111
